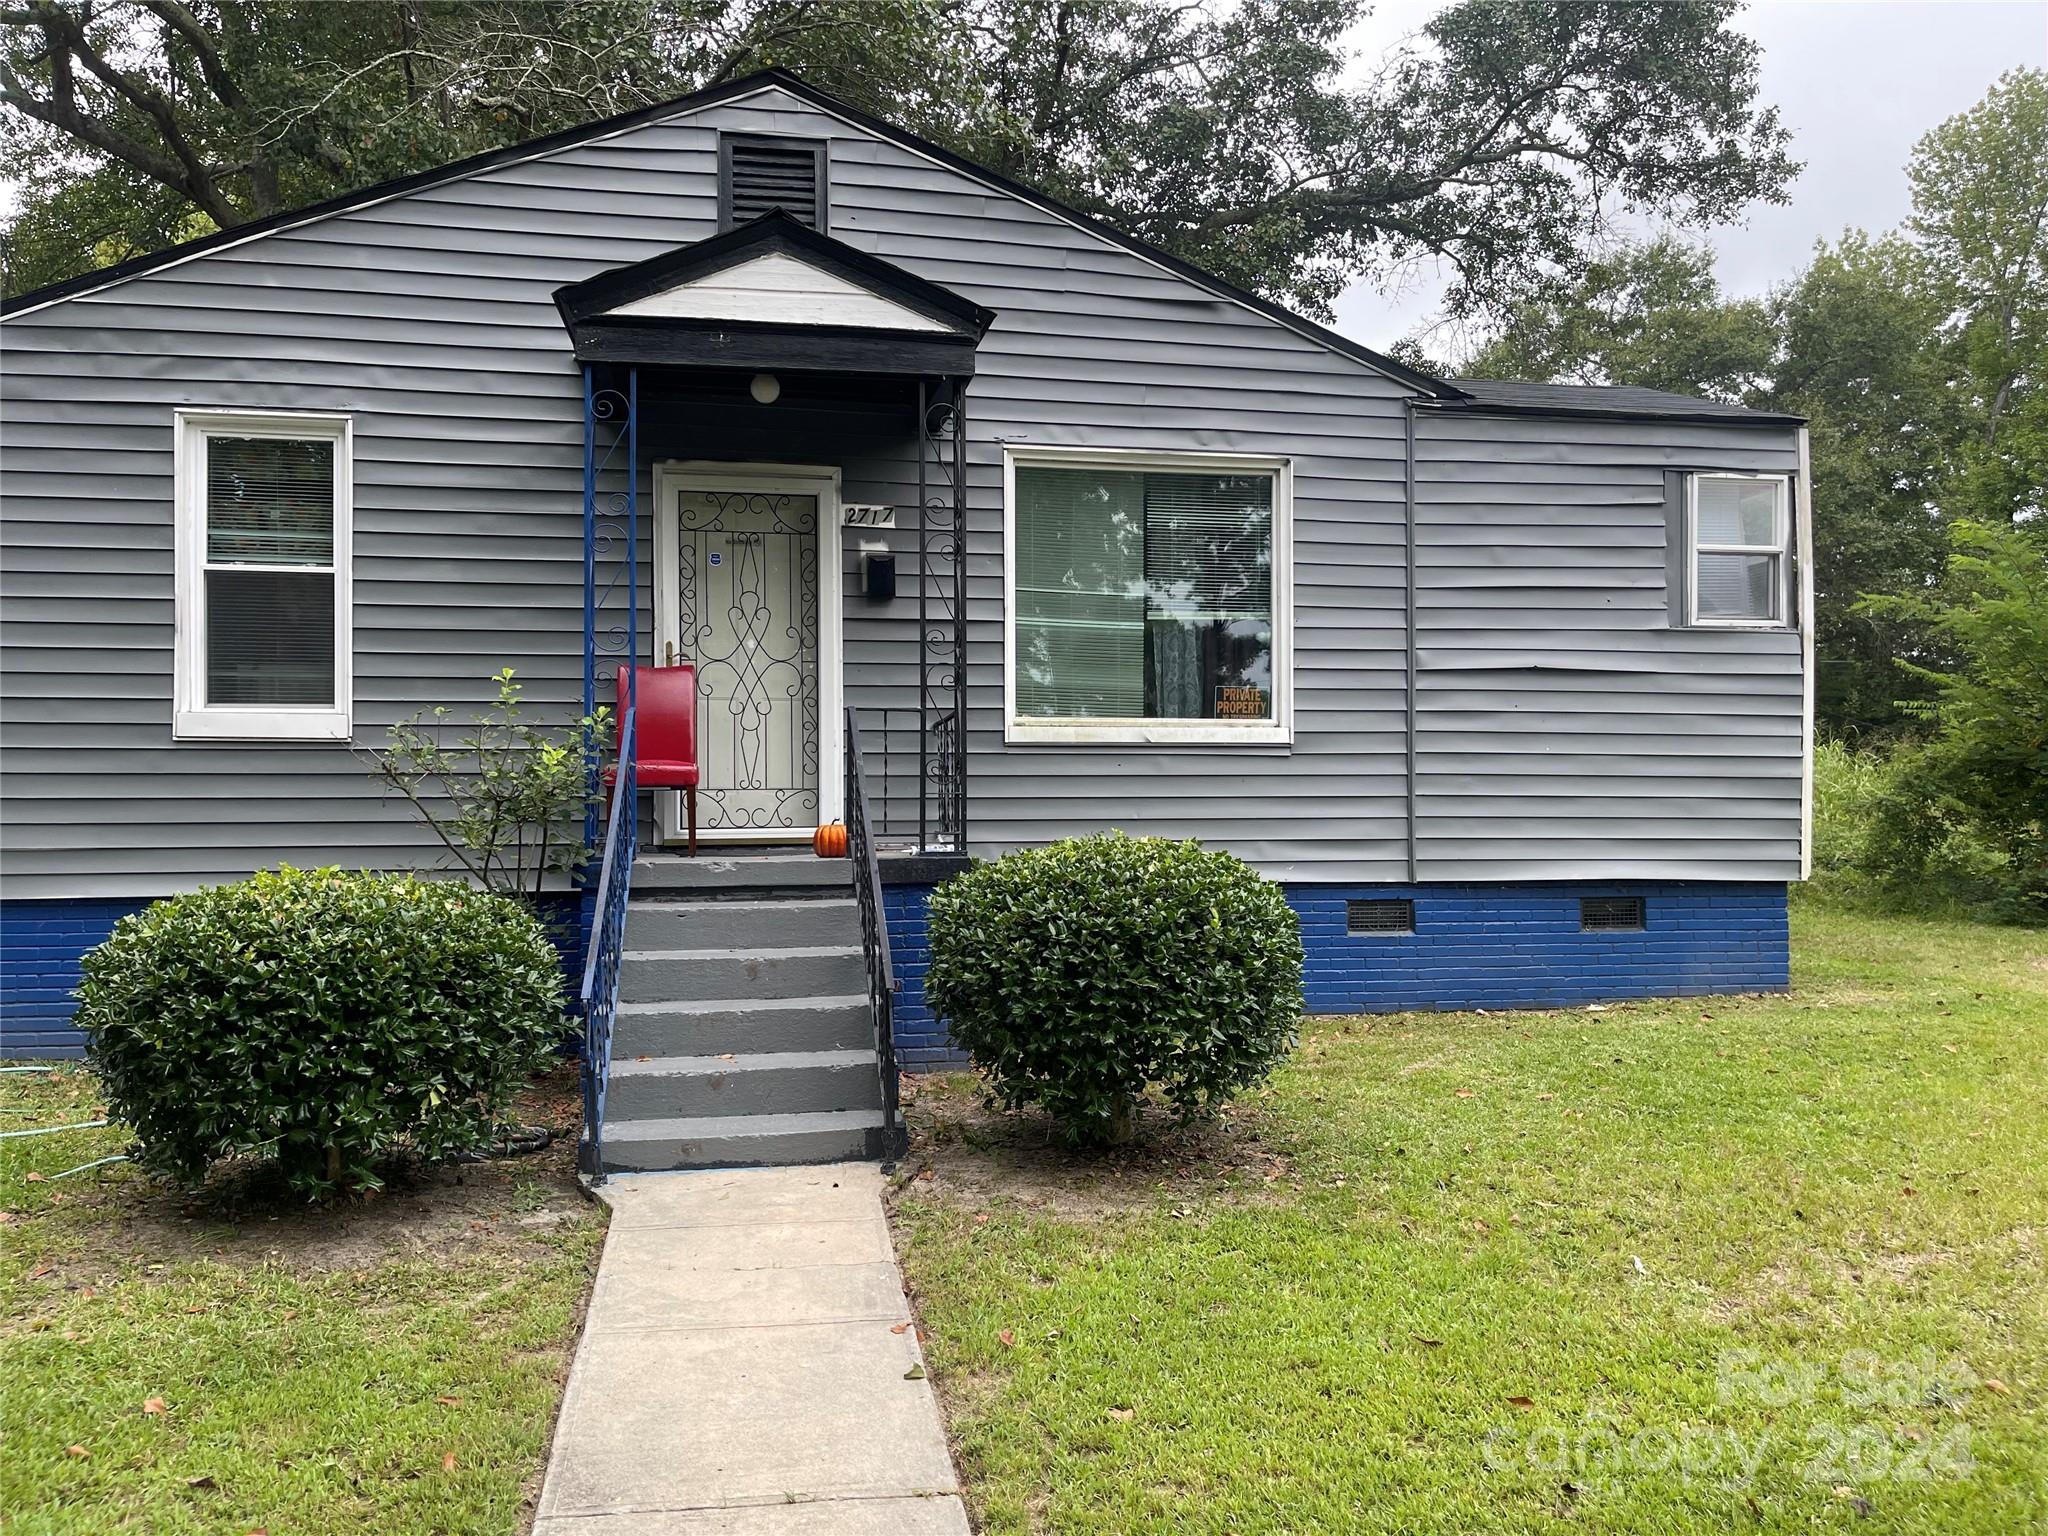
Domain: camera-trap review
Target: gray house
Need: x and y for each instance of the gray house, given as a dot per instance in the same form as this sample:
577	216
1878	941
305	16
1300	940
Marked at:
1509	685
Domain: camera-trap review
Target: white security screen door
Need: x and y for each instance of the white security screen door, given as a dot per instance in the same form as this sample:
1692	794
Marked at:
747	606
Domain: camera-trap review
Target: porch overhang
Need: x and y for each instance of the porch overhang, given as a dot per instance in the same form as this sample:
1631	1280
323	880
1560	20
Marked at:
773	295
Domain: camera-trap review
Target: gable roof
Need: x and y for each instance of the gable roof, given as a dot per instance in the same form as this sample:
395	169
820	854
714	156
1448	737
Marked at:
774	293
1621	402
923	304
533	149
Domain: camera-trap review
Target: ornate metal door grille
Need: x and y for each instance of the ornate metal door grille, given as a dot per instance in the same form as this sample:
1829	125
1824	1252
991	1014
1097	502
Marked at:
747	593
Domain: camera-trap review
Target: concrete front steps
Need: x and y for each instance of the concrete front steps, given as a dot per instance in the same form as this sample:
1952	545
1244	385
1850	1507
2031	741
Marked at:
743	1036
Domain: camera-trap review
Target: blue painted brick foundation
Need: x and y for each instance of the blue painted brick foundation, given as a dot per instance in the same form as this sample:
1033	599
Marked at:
41	943
1474	946
922	1044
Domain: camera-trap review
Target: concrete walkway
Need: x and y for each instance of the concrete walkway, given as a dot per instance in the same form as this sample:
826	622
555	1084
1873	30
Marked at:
741	1372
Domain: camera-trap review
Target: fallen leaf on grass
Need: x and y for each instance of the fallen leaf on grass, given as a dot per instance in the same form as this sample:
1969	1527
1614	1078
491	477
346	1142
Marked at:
448	1400
1009	1339
1123	1415
981	1218
1466	1093
155	1405
1518	1401
1430	1343
1993	1384
1545	1098
76	1450
448	1462
203	1480
32	1177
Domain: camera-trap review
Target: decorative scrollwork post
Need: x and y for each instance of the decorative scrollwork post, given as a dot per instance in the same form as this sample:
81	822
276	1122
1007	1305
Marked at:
611	520
942	614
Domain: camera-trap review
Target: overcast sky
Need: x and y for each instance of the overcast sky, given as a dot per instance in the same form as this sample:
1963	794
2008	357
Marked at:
1857	81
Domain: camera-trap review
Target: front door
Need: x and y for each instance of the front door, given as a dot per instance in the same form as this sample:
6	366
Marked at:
741	569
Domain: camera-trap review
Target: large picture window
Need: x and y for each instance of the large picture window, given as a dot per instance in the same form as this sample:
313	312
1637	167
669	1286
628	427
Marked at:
1146	599
263	622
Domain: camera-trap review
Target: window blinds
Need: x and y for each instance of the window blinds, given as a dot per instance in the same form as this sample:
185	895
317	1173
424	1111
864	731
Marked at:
269	570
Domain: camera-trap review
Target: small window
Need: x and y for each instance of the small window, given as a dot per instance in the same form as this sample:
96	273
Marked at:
1739	534
1380	915
1147	599
1598	913
759	174
263	579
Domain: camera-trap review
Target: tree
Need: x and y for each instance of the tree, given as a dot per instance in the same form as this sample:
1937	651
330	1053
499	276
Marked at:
1651	315
1980	210
1863	360
1984	768
1227	132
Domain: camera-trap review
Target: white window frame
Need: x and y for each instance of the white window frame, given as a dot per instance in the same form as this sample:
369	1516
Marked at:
1781	524
1021	730
193	719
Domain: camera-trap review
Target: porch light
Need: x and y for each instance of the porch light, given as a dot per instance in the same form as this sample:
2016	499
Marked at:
765	388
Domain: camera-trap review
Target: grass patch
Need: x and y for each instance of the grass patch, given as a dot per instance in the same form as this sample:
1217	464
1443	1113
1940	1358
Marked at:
387	1365
1733	1263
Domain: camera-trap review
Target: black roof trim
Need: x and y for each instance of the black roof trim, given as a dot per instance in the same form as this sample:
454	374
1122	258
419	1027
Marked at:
772	231
1605	402
696	101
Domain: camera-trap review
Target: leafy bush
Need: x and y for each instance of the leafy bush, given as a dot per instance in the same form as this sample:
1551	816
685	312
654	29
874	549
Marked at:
323	1019
508	798
1882	841
1982	775
1078	974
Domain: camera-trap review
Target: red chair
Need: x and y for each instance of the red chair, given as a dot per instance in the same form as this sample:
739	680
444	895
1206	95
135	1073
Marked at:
666	728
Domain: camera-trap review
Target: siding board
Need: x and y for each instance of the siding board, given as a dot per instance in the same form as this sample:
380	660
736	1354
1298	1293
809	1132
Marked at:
1564	727
1539	547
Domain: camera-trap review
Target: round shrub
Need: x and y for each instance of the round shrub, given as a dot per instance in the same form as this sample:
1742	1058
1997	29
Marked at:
324	1019
1079	974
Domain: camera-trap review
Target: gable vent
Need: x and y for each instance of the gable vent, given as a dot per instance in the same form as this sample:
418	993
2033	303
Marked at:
756	175
1610	912
1394	914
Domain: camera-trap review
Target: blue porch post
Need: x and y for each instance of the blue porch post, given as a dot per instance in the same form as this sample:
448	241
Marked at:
633	541
593	751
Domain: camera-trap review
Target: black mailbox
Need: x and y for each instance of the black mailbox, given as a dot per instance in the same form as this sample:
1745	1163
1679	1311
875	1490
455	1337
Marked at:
878	575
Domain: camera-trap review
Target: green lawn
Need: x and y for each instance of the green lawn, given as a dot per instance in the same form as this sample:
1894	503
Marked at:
1731	1264
388	1366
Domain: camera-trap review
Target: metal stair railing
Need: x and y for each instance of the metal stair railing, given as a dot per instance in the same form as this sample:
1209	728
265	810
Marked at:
874	937
599	999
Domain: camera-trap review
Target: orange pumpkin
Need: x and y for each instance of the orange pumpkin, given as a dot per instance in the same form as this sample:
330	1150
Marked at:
829	841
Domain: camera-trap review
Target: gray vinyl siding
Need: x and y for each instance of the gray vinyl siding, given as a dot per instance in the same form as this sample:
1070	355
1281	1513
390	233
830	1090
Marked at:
428	319
1566	726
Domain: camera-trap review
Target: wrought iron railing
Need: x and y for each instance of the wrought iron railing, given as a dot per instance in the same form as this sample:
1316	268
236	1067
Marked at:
942	615
599	999
874	936
611	544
